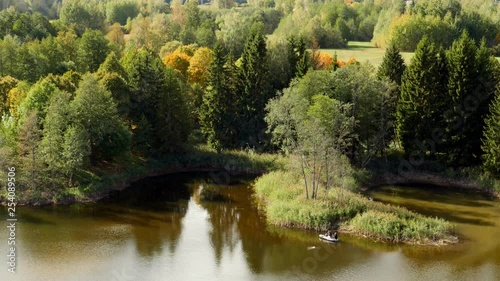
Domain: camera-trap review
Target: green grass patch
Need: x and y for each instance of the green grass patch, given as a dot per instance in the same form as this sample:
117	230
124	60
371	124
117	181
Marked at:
281	196
362	52
366	51
395	227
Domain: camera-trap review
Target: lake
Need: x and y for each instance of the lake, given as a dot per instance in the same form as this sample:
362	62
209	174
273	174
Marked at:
159	229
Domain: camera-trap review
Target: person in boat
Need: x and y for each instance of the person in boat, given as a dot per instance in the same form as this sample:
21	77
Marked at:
329	233
336	236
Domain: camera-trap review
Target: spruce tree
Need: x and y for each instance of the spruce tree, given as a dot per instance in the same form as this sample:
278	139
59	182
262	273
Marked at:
298	57
111	64
120	91
489	79
114	78
217	120
156	96
254	91
423	98
335	63
491	139
465	122
55	123
393	64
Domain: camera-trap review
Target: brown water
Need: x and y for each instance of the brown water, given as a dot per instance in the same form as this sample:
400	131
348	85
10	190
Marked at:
159	230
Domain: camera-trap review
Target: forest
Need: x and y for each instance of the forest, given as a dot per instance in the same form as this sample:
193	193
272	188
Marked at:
90	89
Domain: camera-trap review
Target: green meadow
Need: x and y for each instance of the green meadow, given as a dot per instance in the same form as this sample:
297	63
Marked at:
365	51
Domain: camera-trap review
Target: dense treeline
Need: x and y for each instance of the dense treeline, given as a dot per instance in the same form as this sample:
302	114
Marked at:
445	98
90	85
441	21
330	23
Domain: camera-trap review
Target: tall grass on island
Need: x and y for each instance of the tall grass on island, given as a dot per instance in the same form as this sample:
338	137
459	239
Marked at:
281	195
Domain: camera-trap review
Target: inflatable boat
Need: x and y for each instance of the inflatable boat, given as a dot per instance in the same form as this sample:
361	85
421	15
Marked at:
328	238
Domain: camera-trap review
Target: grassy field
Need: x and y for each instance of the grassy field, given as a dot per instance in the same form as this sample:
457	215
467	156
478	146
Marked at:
365	51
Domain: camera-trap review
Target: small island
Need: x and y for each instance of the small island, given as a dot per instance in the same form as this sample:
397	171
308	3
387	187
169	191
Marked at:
281	195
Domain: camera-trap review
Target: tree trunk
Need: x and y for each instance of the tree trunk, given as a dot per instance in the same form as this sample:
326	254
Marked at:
304	174
327	185
33	167
314	173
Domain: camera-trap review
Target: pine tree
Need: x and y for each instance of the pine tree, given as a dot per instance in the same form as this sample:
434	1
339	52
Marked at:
423	98
254	90
55	124
439	102
298	57
111	64
335	63
193	16
393	65
489	79
491	139
216	118
156	96
120	91
113	76
464	141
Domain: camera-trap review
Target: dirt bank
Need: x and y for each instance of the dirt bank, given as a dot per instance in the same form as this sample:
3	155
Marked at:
425	178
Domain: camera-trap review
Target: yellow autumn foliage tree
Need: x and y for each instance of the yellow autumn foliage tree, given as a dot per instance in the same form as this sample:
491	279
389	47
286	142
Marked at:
198	66
6	84
323	61
178	60
15	97
116	35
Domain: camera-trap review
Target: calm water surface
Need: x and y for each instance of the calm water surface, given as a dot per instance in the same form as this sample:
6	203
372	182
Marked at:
159	230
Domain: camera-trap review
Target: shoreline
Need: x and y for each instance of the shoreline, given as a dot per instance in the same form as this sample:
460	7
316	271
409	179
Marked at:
428	179
105	180
123	180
